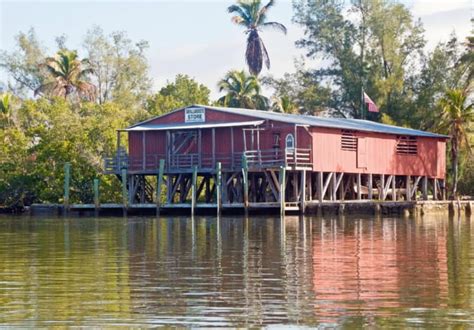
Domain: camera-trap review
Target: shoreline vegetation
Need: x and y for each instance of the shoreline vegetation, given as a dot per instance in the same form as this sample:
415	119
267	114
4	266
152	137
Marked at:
65	105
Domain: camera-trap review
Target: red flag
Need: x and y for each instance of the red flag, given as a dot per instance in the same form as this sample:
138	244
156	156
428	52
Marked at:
370	104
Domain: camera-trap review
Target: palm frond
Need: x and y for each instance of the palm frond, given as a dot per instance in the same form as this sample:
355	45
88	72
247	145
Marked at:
275	25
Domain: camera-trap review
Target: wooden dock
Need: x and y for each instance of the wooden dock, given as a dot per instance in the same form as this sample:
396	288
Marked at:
358	207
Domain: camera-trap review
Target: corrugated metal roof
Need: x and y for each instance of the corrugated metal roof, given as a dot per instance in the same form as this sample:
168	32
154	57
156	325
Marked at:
180	126
339	123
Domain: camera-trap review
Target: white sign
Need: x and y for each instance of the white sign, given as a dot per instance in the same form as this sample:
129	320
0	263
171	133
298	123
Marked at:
194	115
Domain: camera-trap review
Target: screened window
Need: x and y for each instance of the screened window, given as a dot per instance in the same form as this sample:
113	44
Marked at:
348	141
290	141
407	145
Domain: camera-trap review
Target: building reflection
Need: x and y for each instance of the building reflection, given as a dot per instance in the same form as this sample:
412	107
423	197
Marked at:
375	267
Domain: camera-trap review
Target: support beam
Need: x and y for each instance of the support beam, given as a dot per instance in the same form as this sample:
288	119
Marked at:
193	190
159	183
245	178
370	185
382	187
359	186
303	192
124	189
326	185
394	188
282	181
425	188
435	189
271	183
408	188
319	186
96	195
219	187
67	181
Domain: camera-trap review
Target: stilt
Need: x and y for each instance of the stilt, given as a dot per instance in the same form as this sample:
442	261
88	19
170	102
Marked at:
67	179
218	187
319	186
370	185
245	174
359	186
425	188
408	188
382	187
282	180
159	183
124	190
193	190
394	189
303	192
96	196
435	189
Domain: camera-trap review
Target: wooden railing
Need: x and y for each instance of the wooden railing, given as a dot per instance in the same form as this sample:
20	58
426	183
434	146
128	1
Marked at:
255	159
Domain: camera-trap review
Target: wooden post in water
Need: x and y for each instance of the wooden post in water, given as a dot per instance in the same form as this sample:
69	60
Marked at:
245	177
193	190
159	183
303	192
425	188
219	187
67	180
96	195
124	190
370	185
394	188
282	180
319	186
359	186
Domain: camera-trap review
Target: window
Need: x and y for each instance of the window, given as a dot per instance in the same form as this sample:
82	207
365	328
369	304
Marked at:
348	141
407	145
276	140
290	141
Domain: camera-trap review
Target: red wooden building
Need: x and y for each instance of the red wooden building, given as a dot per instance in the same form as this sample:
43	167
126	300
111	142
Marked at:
311	158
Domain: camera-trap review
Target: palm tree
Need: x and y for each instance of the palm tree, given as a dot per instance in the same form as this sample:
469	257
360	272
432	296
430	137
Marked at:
5	107
456	117
251	15
68	75
284	104
242	91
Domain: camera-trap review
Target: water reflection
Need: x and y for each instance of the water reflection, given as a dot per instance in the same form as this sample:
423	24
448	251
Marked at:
236	271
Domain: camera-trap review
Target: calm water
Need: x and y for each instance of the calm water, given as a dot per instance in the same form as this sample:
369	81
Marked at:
237	272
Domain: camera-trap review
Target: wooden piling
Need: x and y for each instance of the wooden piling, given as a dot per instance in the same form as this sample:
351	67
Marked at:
408	188
96	195
124	189
159	183
394	188
303	192
370	184
219	187
425	188
193	190
359	186
67	179
319	186
245	174
282	180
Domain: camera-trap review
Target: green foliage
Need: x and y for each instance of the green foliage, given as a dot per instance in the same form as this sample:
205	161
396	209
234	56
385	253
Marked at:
252	15
242	91
22	64
456	119
375	50
50	133
119	68
300	92
182	92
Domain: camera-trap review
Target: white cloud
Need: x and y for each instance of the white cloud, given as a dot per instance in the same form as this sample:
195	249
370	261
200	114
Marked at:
429	7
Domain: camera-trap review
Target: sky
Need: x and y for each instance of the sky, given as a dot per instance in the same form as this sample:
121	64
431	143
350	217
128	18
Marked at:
194	37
